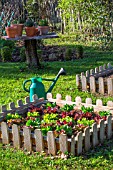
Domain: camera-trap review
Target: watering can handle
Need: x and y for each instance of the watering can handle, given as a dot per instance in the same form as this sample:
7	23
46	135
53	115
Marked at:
24	84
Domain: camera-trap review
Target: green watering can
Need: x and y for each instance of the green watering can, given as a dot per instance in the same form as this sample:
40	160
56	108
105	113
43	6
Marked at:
37	87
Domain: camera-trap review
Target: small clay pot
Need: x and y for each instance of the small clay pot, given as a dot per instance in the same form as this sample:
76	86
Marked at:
19	28
30	31
43	29
11	32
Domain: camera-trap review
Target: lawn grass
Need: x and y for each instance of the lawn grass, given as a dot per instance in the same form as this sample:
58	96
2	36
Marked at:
99	158
12	76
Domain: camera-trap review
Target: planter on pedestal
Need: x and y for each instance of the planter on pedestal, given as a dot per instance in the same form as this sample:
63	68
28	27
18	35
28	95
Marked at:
19	28
30	31
43	29
11	31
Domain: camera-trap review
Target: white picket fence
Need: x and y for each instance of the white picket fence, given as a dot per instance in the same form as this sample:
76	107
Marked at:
96	80
35	141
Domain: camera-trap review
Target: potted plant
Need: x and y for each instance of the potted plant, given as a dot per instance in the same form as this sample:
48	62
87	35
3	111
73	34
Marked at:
29	28
20	25
11	31
43	26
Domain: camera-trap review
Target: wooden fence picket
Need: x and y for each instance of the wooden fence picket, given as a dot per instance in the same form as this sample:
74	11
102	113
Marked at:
63	143
92	84
94	135
5	133
79	142
39	140
73	142
110	86
87	144
16	136
51	143
27	139
101	131
101	85
109	127
84	83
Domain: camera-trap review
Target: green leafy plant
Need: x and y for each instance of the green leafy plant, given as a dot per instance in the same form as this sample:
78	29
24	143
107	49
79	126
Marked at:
64	129
49	104
85	122
34	123
67	119
67	107
13	116
46	129
50	118
87	109
104	113
29	23
32	114
43	22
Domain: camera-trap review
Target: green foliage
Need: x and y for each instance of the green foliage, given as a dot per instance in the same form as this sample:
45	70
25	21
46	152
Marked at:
33	123
67	107
65	128
46	129
48	104
43	22
87	109
68	54
50	118
29	23
85	122
6	53
32	114
22	54
8	43
79	51
67	119
104	113
13	116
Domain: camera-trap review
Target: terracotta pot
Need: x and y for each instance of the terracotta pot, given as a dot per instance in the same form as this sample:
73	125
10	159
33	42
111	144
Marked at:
30	31
19	28
11	32
43	29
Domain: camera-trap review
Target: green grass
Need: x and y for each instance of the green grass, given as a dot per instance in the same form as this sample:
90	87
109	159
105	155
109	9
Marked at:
12	76
99	158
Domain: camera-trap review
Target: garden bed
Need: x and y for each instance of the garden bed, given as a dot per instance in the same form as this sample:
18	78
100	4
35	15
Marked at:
46	126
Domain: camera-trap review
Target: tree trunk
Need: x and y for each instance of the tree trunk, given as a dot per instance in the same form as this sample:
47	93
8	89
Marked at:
31	53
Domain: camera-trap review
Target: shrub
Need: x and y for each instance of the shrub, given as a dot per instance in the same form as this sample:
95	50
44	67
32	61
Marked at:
7	43
22	54
6	53
79	51
68	54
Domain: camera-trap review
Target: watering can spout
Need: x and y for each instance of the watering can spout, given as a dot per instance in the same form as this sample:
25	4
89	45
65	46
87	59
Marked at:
61	72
